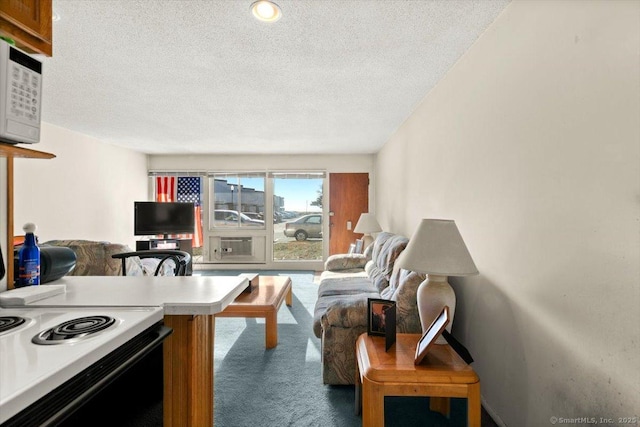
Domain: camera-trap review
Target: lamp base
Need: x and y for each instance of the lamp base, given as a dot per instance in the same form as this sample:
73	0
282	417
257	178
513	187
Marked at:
367	239
432	295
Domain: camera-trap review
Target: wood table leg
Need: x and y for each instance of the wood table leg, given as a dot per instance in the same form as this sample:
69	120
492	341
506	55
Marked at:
271	329
289	297
372	404
358	392
440	404
188	371
474	405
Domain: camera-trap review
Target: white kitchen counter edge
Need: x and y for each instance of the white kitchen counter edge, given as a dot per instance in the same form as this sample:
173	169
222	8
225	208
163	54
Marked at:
205	309
189	295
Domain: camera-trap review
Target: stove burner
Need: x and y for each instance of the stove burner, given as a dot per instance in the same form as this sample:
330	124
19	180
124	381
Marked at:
74	330
9	322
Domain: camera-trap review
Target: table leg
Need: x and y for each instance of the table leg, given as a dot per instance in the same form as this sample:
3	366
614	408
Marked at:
440	404
188	371
473	405
271	328
372	404
358	397
289	296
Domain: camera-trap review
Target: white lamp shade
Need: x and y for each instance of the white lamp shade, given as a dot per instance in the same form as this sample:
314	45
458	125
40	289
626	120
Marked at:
437	248
367	224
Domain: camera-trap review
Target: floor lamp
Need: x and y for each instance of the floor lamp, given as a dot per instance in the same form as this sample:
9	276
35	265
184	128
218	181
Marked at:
437	249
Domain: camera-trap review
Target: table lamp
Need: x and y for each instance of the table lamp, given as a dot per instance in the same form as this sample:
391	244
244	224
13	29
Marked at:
366	225
437	249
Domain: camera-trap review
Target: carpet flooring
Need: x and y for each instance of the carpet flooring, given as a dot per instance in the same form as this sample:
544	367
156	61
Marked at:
283	386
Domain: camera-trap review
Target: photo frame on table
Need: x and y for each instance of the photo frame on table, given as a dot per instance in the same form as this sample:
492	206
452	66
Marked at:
381	319
431	334
352	249
359	244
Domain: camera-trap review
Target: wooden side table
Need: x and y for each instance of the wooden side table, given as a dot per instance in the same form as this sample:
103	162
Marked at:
442	374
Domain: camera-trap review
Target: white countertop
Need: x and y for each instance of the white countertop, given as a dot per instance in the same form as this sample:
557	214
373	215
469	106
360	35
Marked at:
182	295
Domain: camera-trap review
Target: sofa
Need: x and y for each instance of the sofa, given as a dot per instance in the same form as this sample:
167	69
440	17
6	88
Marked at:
98	258
93	258
341	310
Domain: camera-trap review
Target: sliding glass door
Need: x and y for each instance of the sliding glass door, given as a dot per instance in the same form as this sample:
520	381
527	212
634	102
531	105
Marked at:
298	216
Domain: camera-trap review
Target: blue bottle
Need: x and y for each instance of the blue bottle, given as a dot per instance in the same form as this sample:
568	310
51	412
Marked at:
29	259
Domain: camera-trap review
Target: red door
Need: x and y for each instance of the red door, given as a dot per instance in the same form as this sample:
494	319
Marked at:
348	198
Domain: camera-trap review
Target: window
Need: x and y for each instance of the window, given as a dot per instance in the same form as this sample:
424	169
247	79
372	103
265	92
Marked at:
237	200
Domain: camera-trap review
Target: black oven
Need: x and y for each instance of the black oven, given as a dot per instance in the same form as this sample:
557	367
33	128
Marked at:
124	388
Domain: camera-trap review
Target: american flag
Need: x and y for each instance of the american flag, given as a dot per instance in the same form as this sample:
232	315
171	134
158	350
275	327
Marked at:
165	189
189	191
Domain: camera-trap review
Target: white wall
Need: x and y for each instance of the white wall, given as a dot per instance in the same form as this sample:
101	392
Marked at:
532	144
86	192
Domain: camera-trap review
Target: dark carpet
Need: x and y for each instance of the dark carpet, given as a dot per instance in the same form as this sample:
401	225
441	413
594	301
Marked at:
283	386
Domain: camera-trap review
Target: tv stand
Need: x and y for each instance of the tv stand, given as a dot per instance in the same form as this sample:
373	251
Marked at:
171	244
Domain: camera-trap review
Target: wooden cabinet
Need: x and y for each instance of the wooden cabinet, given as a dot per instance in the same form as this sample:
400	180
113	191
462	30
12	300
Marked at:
28	23
10	152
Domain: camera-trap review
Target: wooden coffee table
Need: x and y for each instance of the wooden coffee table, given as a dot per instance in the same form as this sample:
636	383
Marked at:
443	374
263	302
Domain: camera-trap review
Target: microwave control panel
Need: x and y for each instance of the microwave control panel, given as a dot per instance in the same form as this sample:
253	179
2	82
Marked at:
20	96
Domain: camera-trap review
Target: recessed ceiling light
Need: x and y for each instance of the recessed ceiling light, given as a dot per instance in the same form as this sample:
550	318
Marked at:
265	10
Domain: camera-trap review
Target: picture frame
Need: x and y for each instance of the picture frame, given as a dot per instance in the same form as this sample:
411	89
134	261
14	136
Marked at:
352	249
431	334
381	319
358	248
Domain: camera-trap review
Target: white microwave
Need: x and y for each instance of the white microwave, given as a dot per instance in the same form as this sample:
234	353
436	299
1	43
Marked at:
20	95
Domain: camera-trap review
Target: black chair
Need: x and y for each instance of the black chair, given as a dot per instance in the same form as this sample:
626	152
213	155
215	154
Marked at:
181	259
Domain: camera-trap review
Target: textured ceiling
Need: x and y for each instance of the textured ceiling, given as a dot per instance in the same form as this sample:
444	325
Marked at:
206	77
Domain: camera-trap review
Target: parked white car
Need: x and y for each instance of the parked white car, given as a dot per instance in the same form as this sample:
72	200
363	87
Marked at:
304	227
229	218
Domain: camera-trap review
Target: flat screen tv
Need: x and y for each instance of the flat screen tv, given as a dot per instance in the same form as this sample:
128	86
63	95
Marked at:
153	218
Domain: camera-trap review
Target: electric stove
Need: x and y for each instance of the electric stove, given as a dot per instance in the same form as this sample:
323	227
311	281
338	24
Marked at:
53	359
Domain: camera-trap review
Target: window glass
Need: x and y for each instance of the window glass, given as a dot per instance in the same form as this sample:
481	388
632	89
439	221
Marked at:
238	200
297	230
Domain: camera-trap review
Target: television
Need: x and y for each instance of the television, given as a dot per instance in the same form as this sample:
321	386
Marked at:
153	218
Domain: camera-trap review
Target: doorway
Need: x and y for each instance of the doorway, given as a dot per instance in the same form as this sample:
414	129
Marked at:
348	198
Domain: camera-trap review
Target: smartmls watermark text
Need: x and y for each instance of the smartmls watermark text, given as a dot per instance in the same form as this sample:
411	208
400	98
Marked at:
627	421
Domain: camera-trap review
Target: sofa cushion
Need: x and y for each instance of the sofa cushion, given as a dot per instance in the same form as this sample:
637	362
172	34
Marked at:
378	243
408	318
368	251
394	282
383	259
346	286
339	262
345	274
